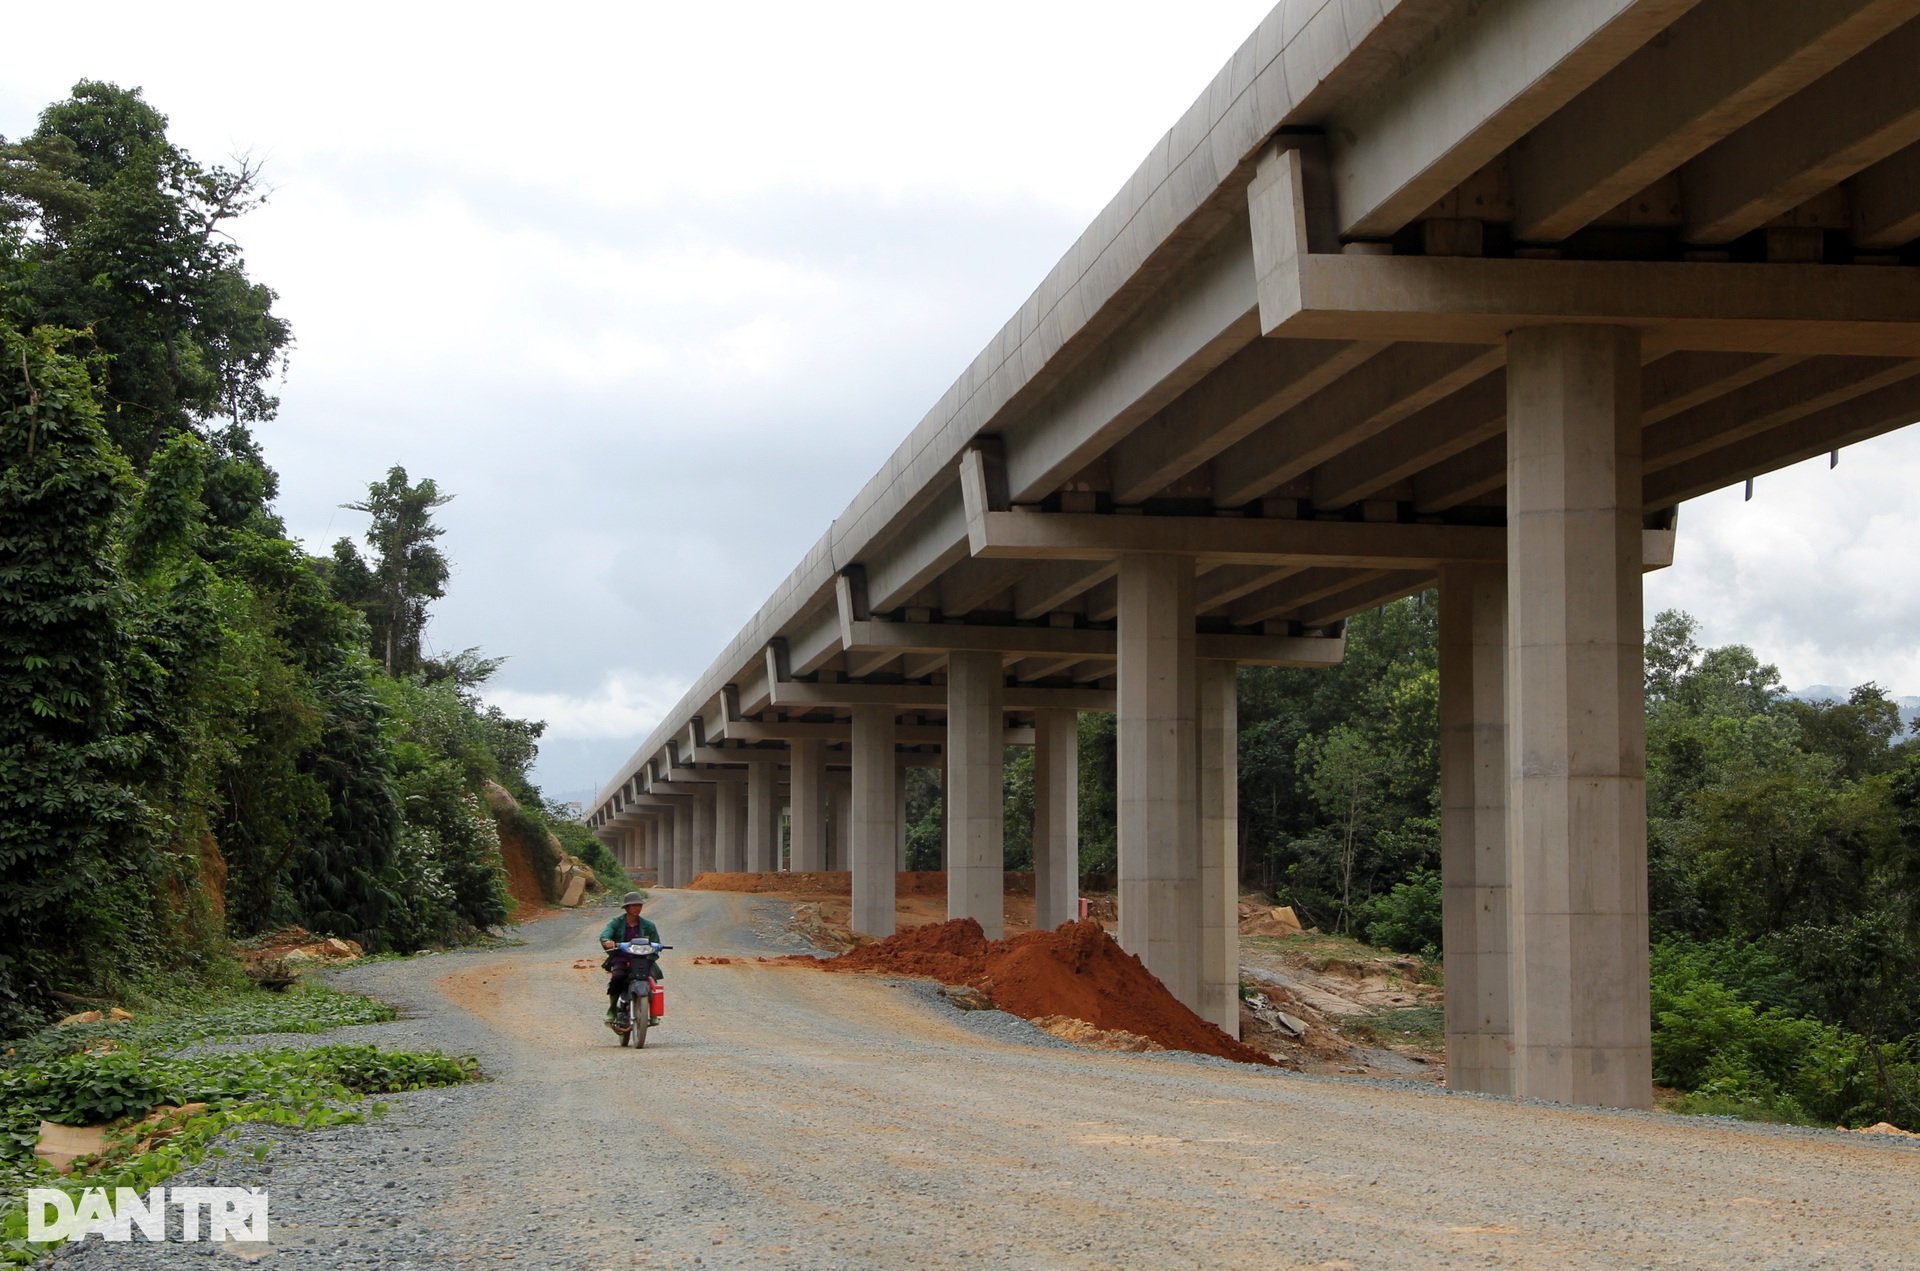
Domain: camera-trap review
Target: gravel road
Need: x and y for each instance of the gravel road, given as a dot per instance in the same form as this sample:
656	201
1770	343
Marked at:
784	1118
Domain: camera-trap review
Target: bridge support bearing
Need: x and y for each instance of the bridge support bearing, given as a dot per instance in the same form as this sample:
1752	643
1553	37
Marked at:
874	810
1473	828
1219	792
1576	726
976	738
763	816
1056	817
809	844
1159	816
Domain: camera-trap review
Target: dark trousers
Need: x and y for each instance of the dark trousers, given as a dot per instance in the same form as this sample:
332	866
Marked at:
617	982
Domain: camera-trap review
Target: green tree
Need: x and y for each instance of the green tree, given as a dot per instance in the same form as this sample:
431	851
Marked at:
72	826
117	233
408	571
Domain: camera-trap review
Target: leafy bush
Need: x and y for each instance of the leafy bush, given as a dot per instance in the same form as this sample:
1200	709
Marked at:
1407	918
1734	1058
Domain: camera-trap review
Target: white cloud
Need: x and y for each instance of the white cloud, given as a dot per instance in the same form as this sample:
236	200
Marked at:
626	703
1819	573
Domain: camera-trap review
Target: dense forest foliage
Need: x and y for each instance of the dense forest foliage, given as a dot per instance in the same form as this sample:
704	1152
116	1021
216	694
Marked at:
204	731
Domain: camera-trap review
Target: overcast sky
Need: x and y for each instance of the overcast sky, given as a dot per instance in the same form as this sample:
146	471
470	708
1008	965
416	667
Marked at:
654	290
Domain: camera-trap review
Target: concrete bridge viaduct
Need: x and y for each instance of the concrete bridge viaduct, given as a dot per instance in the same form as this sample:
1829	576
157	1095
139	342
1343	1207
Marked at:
1422	293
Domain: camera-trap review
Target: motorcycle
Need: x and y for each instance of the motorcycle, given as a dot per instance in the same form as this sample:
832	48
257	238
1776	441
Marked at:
645	1000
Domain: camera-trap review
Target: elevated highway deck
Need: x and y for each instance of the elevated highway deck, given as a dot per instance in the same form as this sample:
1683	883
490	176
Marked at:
1416	294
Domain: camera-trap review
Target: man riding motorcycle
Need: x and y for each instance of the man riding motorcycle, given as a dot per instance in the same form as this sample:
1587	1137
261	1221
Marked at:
620	929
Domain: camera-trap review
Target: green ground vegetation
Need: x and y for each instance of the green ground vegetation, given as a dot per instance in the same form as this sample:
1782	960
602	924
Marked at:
169	1108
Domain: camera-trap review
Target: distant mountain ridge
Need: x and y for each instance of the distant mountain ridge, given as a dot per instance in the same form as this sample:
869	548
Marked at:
1909	706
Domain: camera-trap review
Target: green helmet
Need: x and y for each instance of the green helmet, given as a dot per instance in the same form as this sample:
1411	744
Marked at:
633	898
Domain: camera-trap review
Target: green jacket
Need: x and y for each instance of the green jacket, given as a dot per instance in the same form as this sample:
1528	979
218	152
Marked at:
616	929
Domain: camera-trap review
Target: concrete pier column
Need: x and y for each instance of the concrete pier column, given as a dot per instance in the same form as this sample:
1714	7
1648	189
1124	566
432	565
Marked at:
1576	727
1158	814
1473	828
976	739
682	870
900	818
763	816
729	848
703	832
875	810
809	845
946	785
649	835
1219	759
1056	818
839	819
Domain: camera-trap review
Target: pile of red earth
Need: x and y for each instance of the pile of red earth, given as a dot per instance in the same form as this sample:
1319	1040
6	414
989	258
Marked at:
1076	970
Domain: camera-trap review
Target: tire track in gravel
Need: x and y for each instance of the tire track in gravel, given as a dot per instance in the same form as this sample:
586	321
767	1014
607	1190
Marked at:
783	1117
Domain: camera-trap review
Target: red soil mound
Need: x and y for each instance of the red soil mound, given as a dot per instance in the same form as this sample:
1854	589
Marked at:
1077	970
825	883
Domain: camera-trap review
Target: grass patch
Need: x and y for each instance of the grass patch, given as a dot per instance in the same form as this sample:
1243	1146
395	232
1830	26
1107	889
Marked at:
123	1074
1421	1027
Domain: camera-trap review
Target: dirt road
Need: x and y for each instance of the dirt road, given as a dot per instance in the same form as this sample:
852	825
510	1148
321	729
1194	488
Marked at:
782	1117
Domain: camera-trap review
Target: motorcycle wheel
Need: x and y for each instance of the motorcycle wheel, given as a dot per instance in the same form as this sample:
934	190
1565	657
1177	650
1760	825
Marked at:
638	1014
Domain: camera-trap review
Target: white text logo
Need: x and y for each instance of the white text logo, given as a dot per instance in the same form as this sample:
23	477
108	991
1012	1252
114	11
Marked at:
206	1213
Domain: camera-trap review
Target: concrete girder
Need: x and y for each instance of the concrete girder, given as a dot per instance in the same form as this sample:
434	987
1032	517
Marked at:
1803	390
1455	423
1391	387
1028	670
1223	586
971	583
1304	588
1713	71
1882	411
1491	75
1363	596
915	557
1669	385
1204	315
1848	120
1257	385
1473	473
865	666
1885	200
1044	588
